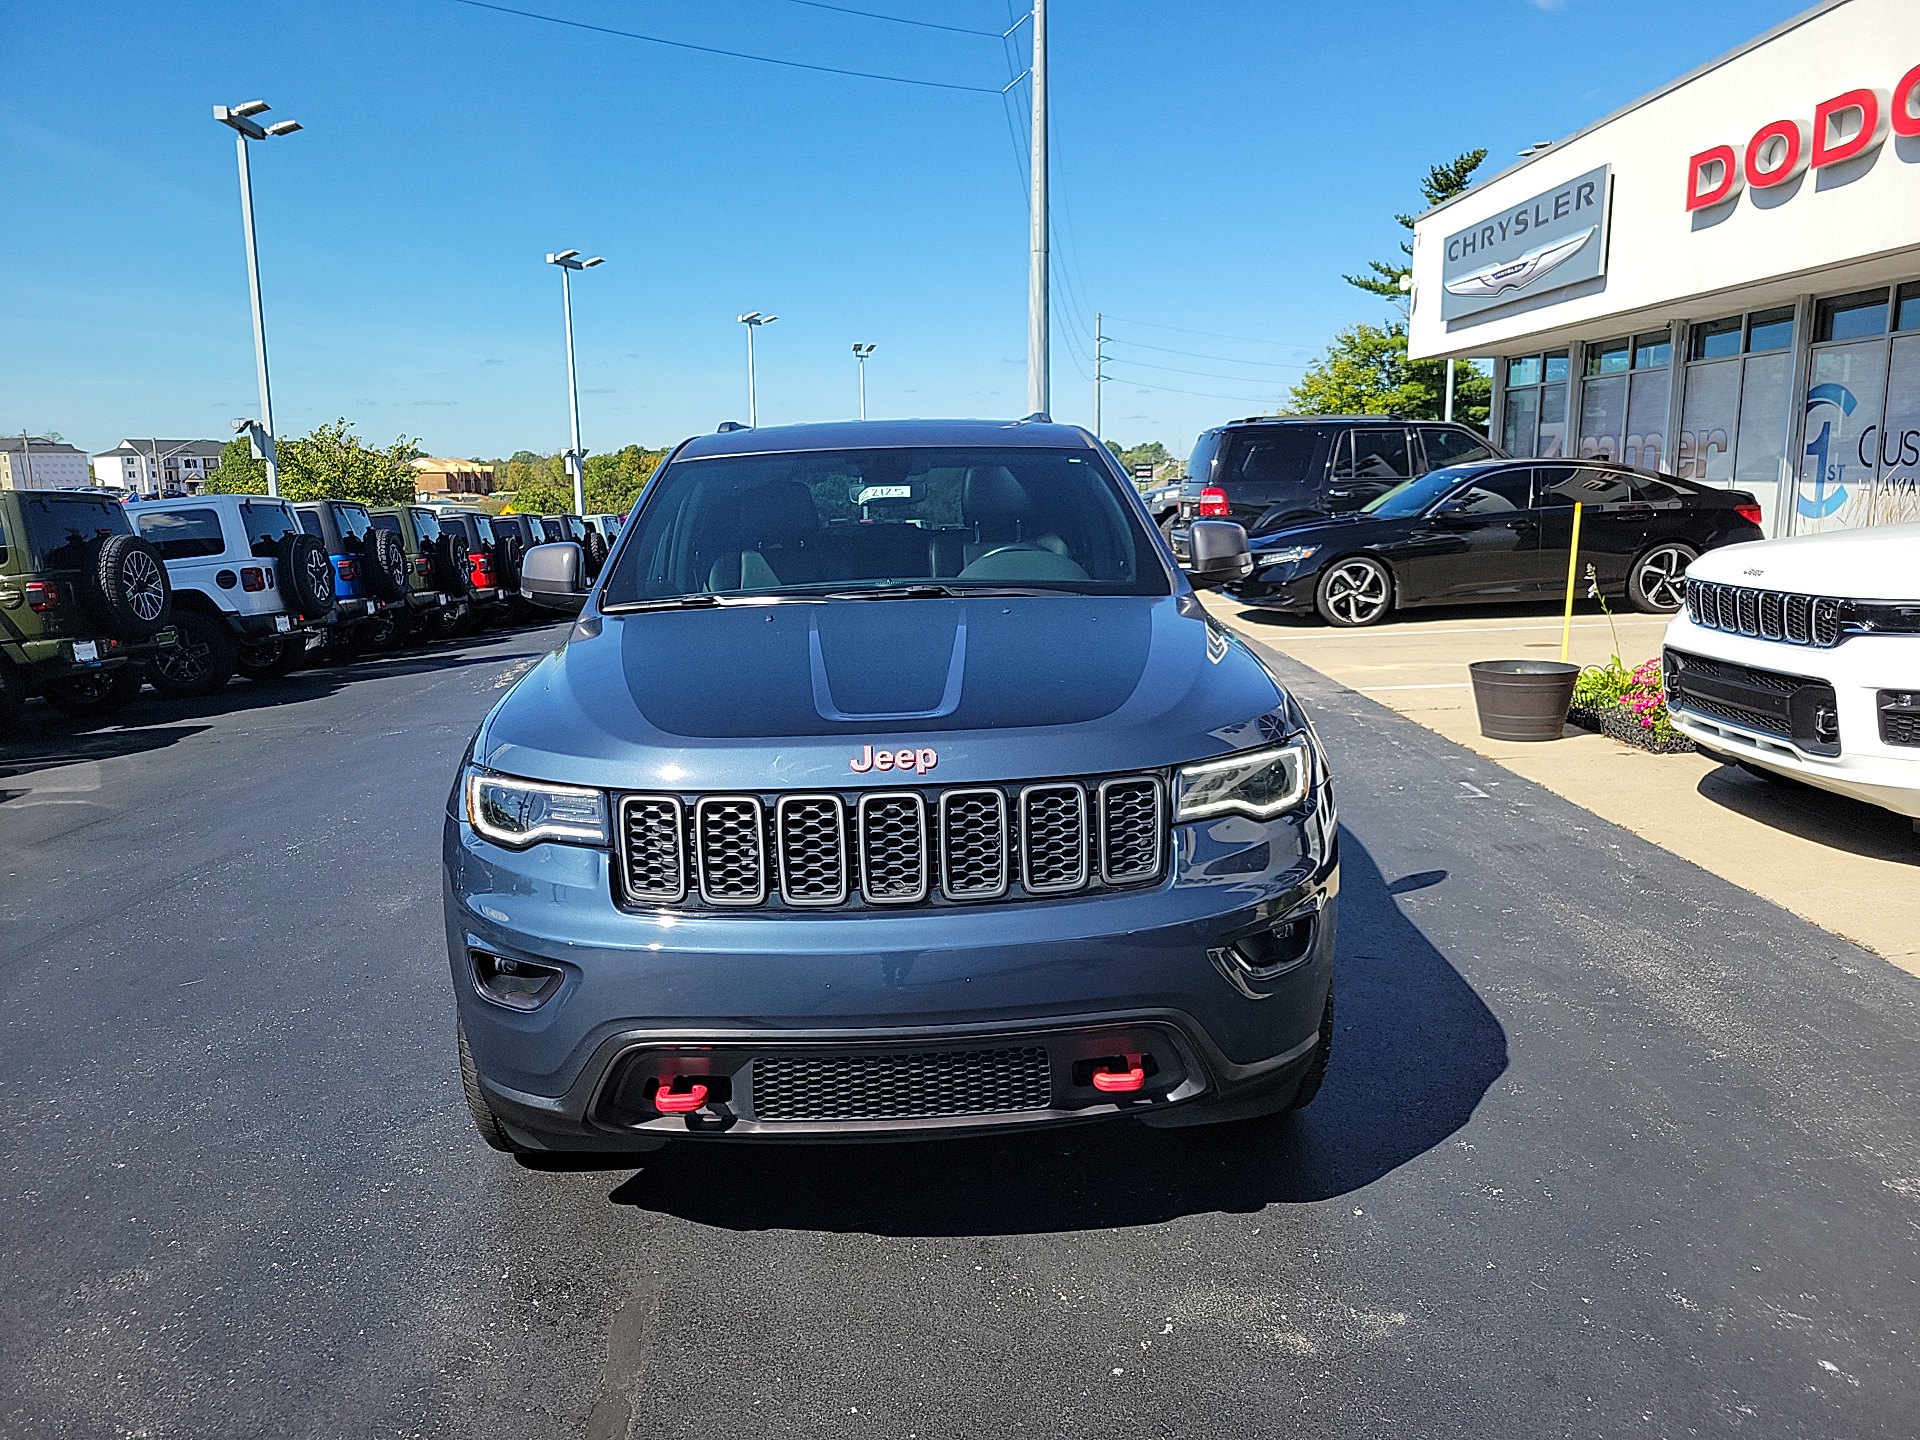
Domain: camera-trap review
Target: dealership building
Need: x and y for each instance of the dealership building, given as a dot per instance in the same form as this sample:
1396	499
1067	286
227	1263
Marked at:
1721	280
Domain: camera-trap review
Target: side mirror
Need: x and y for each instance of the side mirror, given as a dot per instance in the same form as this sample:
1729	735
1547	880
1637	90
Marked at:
1217	554
552	576
1452	517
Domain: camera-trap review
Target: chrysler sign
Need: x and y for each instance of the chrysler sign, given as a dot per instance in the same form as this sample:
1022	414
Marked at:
1556	239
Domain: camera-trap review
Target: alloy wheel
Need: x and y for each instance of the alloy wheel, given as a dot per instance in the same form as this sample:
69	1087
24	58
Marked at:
1357	592
145	587
186	661
1662	576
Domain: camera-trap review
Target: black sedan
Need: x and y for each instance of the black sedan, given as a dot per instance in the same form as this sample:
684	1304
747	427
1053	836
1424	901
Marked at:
1493	531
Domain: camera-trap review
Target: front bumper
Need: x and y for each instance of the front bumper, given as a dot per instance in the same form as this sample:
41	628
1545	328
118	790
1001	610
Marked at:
1854	756
1053	990
1277	587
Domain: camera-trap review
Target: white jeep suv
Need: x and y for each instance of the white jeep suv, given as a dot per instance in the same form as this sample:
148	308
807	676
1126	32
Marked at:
1801	657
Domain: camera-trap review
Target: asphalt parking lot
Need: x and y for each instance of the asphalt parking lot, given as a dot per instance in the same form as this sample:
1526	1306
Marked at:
1608	1146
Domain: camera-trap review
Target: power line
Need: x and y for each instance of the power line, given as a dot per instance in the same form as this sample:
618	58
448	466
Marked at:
898	19
1200	355
1202	394
1217	335
730	54
1203	374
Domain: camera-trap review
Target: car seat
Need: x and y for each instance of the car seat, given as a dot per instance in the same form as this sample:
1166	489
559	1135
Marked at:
776	526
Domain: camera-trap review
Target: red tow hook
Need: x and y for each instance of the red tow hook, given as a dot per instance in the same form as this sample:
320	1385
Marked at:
1120	1082
684	1102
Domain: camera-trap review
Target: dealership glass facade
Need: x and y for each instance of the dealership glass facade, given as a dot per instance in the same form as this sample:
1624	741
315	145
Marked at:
1840	445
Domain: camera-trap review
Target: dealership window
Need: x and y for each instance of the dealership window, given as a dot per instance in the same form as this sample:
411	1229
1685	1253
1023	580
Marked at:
1535	415
1623	405
1735	404
1860	464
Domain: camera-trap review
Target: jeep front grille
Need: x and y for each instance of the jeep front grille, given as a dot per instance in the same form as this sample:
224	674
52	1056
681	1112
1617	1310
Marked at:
1765	614
882	849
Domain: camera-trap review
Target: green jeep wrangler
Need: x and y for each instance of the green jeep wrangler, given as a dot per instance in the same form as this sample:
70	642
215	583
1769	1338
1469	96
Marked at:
83	600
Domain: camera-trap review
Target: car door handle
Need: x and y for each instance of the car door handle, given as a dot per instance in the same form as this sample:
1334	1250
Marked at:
1523	523
1339	494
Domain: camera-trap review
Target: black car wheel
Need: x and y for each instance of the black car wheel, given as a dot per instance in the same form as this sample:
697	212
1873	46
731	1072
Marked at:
1657	583
99	692
273	658
1353	592
1316	1073
200	664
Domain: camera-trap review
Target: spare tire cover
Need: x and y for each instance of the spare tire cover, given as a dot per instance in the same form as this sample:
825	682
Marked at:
306	575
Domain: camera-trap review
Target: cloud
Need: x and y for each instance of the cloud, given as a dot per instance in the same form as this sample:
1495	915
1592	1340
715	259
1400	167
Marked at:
493	362
436	402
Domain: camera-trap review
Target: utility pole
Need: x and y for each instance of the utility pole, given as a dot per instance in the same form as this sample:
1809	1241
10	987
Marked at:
1039	355
860	353
26	453
569	261
238	118
1099	360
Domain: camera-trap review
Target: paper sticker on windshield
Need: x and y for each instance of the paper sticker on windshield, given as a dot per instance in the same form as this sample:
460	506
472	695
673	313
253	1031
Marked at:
883	492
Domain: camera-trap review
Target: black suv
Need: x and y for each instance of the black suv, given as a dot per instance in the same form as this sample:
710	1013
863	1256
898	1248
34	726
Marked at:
81	596
1273	471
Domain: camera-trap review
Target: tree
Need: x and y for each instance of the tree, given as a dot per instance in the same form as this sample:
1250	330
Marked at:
1443	182
328	463
1366	372
540	484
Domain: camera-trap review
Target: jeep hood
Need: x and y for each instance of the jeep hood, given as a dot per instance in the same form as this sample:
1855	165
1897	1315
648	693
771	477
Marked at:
784	695
1881	562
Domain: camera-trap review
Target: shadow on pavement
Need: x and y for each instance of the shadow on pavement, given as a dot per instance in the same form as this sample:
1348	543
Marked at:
1546	608
46	737
1836	821
1414	1051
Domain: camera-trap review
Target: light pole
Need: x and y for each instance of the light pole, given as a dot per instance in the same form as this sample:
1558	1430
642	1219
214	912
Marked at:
860	353
753	320
569	261
239	119
1038	342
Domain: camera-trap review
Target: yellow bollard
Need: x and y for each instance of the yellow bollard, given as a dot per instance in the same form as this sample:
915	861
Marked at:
1573	569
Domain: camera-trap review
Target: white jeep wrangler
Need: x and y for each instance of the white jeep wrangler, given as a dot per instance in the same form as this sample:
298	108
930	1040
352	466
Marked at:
250	587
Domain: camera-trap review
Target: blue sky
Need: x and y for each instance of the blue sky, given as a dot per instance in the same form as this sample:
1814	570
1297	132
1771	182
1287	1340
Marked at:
1218	165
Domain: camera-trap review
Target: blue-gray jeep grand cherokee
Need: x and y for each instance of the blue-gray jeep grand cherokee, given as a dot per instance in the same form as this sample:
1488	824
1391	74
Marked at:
892	781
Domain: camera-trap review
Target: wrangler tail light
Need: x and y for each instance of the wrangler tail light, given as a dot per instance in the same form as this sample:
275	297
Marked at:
253	578
349	570
42	596
1749	511
1213	501
422	565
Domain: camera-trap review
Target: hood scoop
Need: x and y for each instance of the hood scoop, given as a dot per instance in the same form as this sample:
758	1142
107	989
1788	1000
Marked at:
825	706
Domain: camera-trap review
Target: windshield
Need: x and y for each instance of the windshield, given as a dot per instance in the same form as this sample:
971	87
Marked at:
853	520
1416	497
60	528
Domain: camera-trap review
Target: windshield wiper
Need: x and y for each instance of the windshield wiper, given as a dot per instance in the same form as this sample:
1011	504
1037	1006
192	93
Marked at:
673	602
932	590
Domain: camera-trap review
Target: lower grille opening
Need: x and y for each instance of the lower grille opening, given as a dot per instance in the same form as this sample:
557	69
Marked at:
1900	717
902	1087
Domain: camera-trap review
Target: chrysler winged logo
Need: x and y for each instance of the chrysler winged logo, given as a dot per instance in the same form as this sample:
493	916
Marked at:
918	761
1518	274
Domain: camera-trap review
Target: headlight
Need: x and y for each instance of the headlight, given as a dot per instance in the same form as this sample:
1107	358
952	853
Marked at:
521	812
1258	783
1292	555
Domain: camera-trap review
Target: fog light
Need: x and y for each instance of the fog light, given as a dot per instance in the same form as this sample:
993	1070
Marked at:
1274	952
517	984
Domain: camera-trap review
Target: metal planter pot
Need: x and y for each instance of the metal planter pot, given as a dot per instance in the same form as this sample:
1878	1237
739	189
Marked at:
1522	699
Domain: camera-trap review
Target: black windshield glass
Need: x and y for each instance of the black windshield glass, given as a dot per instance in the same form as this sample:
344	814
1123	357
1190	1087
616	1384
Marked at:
818	521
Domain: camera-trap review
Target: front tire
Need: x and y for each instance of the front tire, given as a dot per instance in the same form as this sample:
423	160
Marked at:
1657	583
484	1120
1353	592
101	692
200	664
1316	1073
